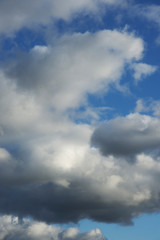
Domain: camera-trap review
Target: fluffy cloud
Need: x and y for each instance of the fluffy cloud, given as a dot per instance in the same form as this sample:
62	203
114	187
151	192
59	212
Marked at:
101	188
128	136
13	228
77	64
48	170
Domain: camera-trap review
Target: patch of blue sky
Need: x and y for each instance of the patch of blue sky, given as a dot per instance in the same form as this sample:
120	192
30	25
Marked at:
80	24
146	227
119	103
148	87
22	41
109	18
145	1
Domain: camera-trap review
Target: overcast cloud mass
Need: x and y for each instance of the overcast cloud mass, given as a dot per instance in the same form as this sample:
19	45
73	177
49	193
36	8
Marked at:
60	160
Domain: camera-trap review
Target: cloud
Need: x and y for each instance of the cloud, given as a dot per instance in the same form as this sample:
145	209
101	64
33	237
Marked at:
61	179
19	14
151	12
148	105
99	188
63	73
127	136
48	170
13	228
142	70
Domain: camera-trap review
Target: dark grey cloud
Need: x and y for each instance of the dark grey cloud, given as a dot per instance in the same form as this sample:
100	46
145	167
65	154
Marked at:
127	136
56	204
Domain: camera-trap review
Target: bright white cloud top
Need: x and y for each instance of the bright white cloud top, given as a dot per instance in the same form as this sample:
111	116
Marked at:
11	228
61	160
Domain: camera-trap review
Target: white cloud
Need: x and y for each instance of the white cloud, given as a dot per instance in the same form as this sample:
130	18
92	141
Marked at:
142	70
4	155
49	168
14	229
48	155
148	105
151	12
62	74
141	106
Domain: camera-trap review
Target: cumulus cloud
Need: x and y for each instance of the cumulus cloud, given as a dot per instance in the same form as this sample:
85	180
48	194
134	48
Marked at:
100	188
128	135
48	170
74	65
13	228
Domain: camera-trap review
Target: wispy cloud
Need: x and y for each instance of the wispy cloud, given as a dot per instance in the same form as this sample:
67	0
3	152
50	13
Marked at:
142	70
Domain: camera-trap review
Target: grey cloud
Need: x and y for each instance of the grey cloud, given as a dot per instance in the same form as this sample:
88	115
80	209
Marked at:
17	14
48	170
98	188
62	74
56	204
127	136
101	189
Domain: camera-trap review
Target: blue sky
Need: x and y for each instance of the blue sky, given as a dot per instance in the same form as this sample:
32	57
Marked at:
80	120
